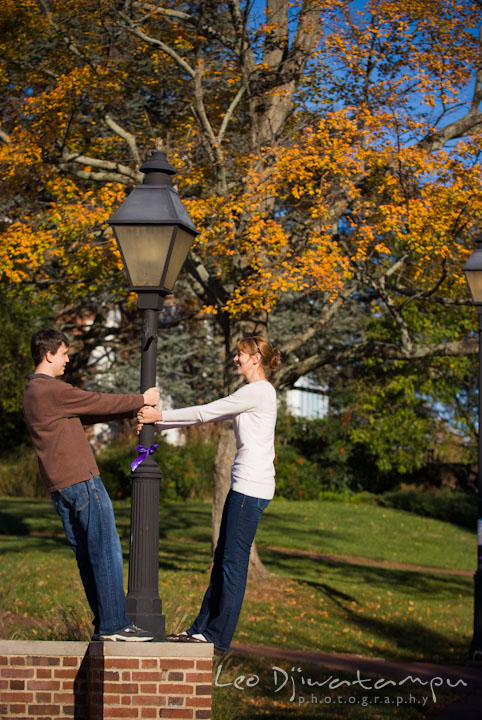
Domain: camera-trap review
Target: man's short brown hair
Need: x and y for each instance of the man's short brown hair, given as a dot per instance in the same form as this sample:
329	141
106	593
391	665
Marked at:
44	341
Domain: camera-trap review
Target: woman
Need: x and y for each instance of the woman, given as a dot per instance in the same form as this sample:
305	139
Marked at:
253	411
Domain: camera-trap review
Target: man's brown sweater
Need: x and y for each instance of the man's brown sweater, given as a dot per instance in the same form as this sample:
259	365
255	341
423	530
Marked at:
55	412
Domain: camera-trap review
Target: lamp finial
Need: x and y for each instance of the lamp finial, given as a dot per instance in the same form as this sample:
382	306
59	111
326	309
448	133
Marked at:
158	144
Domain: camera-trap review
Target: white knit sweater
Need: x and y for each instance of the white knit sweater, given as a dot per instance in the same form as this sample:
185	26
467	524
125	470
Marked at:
253	411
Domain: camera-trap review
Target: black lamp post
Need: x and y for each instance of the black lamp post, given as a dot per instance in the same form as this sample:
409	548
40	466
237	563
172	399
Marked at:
473	274
154	234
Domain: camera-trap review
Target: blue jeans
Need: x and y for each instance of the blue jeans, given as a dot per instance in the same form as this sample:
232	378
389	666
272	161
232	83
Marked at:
89	523
222	602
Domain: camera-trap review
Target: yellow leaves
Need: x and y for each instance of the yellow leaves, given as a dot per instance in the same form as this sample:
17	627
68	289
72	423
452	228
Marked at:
22	251
69	233
21	154
52	110
423	46
257	251
277	226
277	234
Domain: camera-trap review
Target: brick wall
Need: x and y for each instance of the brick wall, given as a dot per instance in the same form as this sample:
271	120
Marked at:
104	680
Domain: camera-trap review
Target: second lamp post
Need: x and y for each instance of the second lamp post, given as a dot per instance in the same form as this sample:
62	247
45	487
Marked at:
473	274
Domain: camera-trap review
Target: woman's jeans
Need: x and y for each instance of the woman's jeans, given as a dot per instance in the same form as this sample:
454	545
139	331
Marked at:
88	519
222	602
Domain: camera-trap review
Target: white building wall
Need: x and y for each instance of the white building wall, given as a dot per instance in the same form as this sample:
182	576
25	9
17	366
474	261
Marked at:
307	399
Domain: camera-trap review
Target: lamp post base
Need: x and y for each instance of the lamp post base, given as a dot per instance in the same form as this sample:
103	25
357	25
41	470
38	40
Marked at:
146	613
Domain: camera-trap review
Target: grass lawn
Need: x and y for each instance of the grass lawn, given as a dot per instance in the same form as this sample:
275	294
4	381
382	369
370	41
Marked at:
312	603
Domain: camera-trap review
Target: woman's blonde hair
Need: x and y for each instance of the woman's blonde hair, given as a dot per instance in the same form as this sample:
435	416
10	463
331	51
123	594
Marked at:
270	356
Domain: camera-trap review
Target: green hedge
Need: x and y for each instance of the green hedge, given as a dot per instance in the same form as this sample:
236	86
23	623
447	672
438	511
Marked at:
187	470
19	475
455	506
314	461
323	457
312	457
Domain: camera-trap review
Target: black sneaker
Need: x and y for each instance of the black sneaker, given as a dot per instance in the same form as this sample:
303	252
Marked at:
129	634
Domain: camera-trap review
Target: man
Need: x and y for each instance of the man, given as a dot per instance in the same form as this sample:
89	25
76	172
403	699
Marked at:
55	412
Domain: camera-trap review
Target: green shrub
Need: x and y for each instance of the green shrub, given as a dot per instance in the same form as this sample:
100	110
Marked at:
310	465
19	474
337	463
296	477
114	463
455	506
187	470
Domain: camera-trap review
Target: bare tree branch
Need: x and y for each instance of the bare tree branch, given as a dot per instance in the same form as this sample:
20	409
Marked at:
197	76
111	171
193	20
155	41
463	126
100	176
178	14
236	100
238	23
127	136
328	313
457	129
289	373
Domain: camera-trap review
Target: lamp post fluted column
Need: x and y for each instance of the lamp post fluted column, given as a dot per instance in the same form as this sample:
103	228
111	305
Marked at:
143	604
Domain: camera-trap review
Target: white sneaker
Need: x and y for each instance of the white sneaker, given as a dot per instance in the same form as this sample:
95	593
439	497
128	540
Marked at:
176	637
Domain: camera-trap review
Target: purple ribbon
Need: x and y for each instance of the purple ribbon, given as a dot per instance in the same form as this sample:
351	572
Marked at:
143	453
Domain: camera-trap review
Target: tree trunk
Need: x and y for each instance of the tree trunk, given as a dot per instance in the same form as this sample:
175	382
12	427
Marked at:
222	475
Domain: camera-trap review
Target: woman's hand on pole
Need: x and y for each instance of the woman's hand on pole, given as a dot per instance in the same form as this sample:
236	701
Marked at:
149	414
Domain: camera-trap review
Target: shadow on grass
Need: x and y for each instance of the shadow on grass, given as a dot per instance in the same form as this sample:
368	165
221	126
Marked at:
186	520
18	544
410	636
12	525
281	524
193	555
184	557
23	516
184	535
189	520
408	582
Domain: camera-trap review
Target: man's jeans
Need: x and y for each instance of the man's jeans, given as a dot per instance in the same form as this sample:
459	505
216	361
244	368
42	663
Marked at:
88	519
222	602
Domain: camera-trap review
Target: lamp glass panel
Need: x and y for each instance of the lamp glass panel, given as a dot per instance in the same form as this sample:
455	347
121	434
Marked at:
474	281
182	243
145	249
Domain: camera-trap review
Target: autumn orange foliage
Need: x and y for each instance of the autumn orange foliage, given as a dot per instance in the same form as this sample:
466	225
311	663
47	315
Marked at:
320	148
